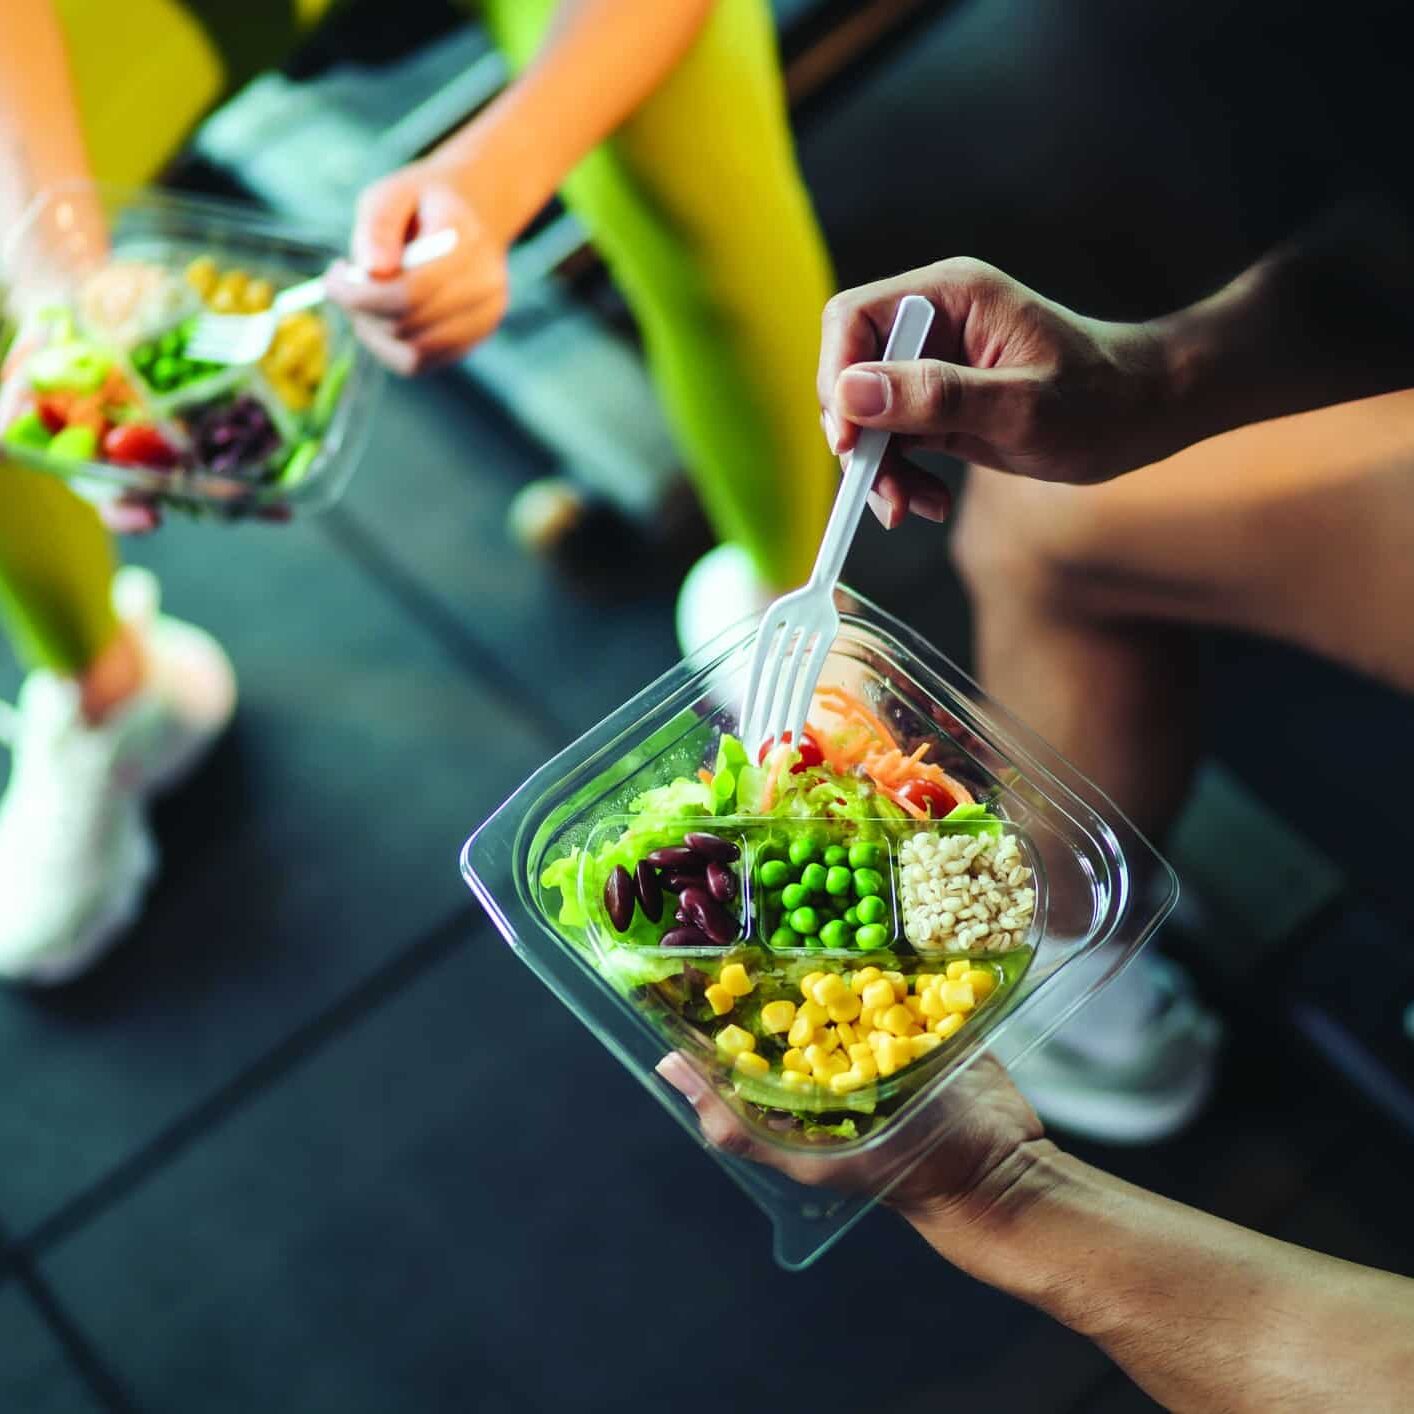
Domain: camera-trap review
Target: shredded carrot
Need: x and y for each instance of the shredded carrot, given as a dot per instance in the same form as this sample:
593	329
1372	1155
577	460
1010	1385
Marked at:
903	803
705	776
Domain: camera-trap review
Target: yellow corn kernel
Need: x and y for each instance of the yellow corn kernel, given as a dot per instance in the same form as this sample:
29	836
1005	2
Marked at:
807	985
827	1038
867	1021
898	1019
983	983
950	1025
921	982
719	999
958	969
777	1016
226	297
846	1081
915	1006
866	1066
816	1055
733	1040
861	979
847	1034
887	1058
933	1007
202	275
796	1080
899	983
814	1013
259	296
794	1059
878	995
836	1063
801	1032
845	1008
831	988
749	1063
957	995
877	1038
921	1045
733	977
861	1051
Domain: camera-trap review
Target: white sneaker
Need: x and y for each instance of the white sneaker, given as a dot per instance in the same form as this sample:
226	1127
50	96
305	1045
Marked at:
721	590
76	853
1135	1090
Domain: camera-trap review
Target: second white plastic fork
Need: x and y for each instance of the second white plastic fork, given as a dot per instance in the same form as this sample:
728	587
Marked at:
244	338
797	631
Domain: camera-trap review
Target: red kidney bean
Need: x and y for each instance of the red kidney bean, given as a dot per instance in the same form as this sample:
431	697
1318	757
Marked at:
674	856
721	882
681	916
619	898
709	915
711	846
675	881
650	891
685	937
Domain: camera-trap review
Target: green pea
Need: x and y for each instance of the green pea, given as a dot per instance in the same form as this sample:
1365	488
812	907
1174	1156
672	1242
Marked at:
834	934
804	848
773	899
871	937
836	854
774	873
793	895
864	854
813	877
813	941
851	916
785	937
871	909
170	342
805	921
837	880
867	882
164	372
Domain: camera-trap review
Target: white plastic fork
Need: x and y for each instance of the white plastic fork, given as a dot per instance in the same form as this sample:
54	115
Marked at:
245	338
798	630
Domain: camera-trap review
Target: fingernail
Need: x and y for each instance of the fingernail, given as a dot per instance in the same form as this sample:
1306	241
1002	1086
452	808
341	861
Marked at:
881	508
832	431
931	505
863	393
681	1076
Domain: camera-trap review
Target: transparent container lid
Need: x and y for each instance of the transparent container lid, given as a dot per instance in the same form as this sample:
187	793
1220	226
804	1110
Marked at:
53	250
1084	857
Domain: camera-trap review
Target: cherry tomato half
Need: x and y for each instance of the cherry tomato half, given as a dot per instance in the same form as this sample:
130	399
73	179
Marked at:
138	444
927	796
810	753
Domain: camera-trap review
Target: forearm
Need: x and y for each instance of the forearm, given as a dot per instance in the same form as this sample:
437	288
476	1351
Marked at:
1325	319
600	61
41	141
1206	1316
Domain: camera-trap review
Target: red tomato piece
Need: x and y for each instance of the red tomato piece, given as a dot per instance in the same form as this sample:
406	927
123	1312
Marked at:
138	444
927	796
54	409
810	753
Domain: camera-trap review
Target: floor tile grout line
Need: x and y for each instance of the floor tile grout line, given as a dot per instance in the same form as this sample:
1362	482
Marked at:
83	1358
306	1041
350	536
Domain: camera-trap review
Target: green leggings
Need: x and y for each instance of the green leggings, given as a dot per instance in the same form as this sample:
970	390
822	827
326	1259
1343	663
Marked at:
698	208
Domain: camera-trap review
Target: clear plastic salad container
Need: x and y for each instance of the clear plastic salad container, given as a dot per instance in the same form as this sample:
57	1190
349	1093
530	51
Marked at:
101	289
858	918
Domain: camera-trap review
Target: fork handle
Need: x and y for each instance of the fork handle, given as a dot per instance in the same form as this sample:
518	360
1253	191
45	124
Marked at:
912	320
422	251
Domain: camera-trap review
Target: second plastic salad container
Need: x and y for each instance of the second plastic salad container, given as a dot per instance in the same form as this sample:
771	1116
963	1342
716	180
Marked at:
102	288
832	935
